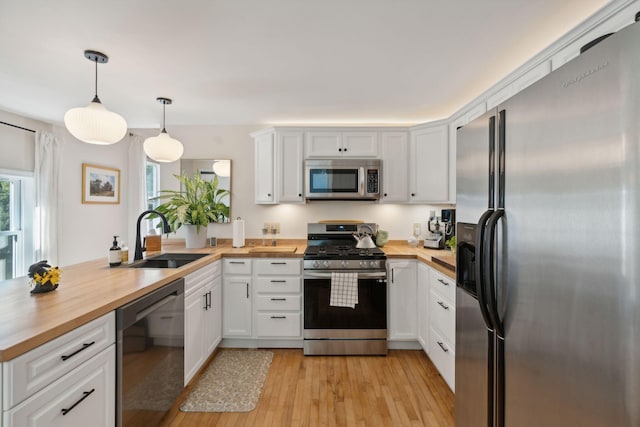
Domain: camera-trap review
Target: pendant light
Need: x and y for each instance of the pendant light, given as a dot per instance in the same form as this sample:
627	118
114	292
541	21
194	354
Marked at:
222	167
94	123
163	148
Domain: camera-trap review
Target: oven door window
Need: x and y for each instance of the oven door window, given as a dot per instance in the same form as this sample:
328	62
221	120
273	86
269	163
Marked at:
370	312
333	180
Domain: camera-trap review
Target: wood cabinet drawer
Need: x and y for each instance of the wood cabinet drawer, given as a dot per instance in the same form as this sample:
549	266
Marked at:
443	316
86	396
278	266
237	266
278	302
444	285
443	356
278	325
278	284
32	371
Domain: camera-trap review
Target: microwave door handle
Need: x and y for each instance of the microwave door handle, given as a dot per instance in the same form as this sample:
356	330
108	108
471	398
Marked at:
361	177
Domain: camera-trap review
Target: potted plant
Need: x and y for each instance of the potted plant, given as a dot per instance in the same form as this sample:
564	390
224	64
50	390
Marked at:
451	243
197	204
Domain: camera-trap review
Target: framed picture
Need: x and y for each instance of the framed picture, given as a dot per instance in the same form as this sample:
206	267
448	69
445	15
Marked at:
100	184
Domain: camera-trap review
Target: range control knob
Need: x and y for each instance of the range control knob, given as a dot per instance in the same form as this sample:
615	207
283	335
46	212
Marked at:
325	263
316	264
344	263
363	264
374	264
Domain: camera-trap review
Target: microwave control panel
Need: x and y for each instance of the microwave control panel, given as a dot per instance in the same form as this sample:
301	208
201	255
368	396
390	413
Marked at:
372	181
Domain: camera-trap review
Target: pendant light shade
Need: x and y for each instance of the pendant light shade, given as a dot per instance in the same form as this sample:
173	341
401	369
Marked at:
163	148
95	124
222	167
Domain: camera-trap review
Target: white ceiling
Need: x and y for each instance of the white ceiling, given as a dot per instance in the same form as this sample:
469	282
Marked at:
270	61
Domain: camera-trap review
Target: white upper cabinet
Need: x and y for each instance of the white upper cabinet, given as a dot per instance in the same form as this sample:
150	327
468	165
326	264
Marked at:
289	167
394	151
322	144
429	165
264	168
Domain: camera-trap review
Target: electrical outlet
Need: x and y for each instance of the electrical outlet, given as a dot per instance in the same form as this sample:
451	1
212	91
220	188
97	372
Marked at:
276	225
267	226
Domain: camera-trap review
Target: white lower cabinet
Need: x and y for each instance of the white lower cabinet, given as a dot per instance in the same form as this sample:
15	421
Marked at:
202	317
86	396
68	381
278	298
402	300
236	298
442	324
423	305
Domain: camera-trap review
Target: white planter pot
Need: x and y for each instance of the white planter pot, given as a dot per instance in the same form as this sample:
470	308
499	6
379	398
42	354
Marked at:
193	238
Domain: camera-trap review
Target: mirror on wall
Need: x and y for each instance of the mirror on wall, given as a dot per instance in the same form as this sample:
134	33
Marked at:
208	170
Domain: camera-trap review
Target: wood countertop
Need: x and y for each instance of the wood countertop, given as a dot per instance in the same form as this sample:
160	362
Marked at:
91	289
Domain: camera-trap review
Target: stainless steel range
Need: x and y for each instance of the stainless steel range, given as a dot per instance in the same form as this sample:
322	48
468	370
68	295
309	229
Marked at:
345	292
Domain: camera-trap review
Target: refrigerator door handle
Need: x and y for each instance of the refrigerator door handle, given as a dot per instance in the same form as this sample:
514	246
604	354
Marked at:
489	271
480	267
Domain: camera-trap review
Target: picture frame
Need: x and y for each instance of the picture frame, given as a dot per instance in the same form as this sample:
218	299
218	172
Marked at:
100	184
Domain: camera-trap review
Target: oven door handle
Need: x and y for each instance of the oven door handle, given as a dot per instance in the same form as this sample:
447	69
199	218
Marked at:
361	275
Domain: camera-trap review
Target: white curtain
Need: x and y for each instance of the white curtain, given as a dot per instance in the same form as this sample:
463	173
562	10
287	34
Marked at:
48	175
136	187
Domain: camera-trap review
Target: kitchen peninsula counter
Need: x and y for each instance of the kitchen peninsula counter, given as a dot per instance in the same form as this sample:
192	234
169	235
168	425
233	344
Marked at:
91	289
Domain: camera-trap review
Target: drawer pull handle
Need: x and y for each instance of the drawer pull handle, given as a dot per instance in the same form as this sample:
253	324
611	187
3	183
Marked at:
278	281
443	305
236	262
84	347
247	290
278	263
278	317
278	299
445	349
85	394
444	282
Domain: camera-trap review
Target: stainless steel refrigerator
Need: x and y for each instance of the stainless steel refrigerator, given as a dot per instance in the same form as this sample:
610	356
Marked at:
548	206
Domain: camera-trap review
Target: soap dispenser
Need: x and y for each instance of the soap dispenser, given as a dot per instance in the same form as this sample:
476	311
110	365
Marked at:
115	253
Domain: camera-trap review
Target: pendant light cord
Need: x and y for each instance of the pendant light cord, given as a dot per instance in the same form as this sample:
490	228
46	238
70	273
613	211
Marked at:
164	111
95	97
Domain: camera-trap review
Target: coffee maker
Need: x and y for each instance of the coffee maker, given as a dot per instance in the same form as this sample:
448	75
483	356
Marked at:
448	218
435	237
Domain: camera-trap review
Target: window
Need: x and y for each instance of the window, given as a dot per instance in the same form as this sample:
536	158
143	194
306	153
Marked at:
153	184
153	190
16	225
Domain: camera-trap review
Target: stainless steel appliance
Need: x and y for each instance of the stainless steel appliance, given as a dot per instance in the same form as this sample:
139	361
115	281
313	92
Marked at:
448	217
328	329
342	179
548	308
150	355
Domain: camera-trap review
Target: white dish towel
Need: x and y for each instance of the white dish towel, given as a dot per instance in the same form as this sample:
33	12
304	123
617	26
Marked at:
344	290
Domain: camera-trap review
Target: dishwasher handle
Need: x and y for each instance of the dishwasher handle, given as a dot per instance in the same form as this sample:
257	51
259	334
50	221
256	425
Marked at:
131	313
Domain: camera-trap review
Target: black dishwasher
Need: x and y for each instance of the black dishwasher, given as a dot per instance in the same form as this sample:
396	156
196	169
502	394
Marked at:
150	355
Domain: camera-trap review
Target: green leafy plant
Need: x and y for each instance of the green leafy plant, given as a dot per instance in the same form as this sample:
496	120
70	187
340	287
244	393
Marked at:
451	243
199	203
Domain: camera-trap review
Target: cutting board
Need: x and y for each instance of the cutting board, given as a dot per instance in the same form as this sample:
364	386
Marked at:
273	249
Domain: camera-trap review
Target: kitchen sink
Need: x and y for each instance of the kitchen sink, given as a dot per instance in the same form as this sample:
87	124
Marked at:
166	261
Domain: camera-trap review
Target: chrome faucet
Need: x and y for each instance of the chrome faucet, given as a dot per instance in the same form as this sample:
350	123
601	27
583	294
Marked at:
165	229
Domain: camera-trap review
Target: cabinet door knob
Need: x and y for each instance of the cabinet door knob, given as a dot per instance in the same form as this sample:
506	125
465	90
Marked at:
299	194
268	194
385	194
344	149
413	194
340	149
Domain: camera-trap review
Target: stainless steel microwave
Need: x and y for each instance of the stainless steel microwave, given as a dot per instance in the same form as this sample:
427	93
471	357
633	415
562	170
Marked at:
342	179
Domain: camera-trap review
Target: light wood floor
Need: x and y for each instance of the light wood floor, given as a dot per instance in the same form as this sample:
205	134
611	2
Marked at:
402	389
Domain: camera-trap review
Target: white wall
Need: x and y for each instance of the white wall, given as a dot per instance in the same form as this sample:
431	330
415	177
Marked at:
88	229
234	142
